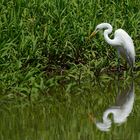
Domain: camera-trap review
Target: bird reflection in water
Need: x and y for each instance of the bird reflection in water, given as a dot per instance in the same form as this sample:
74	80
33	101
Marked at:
120	111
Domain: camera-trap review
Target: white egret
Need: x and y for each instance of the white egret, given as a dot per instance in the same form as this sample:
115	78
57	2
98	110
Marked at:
122	42
121	110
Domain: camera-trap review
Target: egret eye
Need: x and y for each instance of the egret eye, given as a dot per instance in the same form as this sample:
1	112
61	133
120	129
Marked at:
97	29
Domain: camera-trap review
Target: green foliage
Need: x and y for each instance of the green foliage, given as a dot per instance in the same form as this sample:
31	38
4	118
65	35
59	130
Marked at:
43	43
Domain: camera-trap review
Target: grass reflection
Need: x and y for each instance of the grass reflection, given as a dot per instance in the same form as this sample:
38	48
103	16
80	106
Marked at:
67	117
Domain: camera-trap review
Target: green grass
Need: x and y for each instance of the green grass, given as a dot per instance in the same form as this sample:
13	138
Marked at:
42	42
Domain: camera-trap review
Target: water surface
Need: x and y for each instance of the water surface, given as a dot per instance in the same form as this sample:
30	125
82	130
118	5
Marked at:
105	110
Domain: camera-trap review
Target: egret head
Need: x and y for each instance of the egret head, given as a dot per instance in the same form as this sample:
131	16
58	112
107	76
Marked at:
99	27
103	26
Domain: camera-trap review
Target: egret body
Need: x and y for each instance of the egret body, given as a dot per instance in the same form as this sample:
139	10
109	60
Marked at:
120	111
121	41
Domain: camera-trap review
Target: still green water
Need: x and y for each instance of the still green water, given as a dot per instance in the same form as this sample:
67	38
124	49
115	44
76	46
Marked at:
105	111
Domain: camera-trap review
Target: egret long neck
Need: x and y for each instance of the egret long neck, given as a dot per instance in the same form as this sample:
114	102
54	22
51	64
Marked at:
108	40
107	112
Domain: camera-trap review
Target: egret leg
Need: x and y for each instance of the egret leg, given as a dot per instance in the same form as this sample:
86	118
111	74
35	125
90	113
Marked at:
126	65
119	68
132	71
118	82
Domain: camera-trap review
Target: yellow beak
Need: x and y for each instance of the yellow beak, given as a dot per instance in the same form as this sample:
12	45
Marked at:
92	35
91	118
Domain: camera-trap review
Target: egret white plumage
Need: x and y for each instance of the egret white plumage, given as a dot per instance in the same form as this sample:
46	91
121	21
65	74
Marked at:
120	111
122	42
